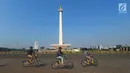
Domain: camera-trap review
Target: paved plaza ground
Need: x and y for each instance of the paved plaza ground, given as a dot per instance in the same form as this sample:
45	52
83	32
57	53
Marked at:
107	64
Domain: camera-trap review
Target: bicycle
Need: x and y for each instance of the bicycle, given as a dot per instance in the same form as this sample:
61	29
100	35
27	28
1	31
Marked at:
87	62
36	62
57	64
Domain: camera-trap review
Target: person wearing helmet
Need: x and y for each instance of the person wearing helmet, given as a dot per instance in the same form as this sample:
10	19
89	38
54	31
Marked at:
30	54
60	55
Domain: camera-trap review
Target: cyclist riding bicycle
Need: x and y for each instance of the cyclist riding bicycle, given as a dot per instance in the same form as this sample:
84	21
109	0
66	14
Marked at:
60	55
30	54
87	55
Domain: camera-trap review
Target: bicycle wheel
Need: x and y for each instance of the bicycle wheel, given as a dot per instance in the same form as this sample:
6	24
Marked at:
55	64
69	64
85	63
39	63
25	63
36	63
95	62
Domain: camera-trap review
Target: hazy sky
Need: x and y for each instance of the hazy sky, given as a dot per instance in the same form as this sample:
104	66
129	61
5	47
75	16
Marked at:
85	22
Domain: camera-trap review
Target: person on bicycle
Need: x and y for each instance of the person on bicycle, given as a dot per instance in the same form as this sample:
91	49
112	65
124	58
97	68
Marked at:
87	55
60	55
30	54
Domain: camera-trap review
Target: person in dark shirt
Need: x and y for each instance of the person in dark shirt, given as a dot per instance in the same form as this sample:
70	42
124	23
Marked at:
30	54
60	55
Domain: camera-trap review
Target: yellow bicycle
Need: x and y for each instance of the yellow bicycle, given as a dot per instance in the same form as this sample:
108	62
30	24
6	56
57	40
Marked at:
57	64
35	62
87	62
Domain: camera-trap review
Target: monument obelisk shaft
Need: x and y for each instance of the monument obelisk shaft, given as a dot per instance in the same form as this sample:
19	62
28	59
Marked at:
56	46
60	26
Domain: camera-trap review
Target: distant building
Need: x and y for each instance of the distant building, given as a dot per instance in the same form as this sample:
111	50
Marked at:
118	46
125	48
42	47
35	45
121	48
100	47
76	49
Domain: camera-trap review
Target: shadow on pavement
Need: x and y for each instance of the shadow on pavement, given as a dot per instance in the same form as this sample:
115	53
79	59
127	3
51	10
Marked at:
43	65
3	65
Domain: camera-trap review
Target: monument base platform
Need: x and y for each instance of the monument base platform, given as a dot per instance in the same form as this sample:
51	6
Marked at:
63	46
